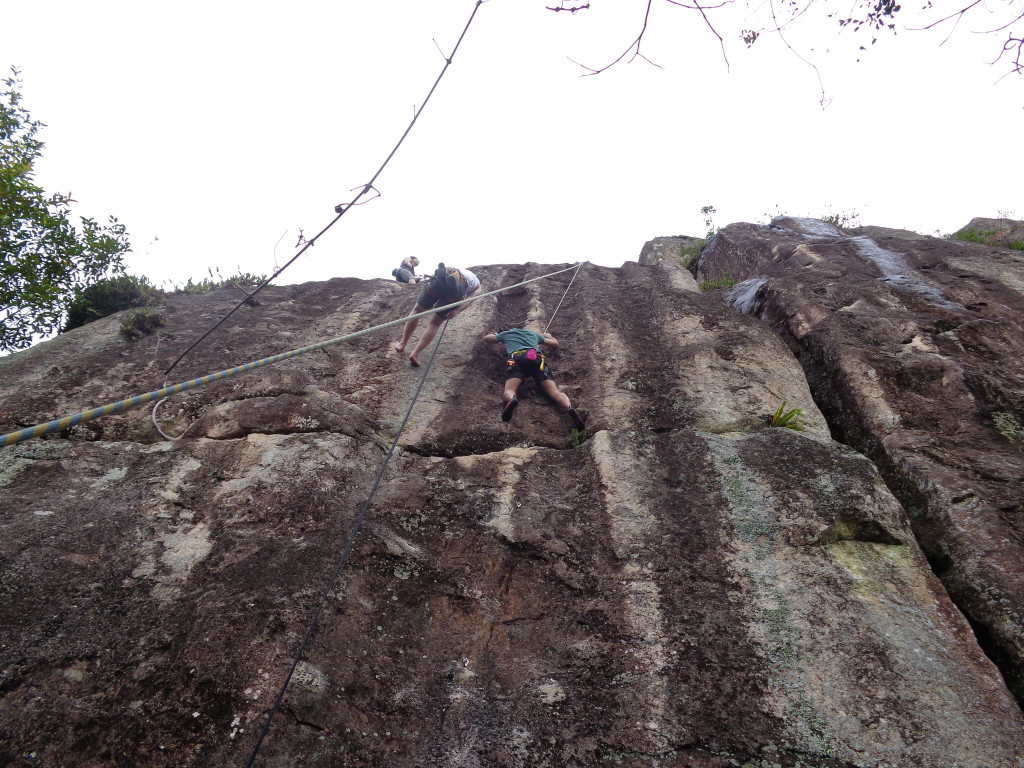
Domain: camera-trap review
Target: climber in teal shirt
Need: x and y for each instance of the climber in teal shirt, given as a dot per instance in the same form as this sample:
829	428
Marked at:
526	360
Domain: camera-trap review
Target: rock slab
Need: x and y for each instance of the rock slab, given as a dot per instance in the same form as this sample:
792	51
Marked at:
683	585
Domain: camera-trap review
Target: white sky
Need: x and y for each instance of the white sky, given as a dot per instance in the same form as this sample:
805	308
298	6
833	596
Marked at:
221	128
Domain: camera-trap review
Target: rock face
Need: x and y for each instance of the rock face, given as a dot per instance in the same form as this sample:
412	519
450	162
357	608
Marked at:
914	350
1005	233
683	585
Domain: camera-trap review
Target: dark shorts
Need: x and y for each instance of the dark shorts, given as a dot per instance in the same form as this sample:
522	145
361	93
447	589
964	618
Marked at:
431	297
527	370
402	275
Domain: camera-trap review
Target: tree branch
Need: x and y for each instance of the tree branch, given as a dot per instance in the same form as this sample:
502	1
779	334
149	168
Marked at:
702	8
1005	26
1016	65
878	14
1012	43
634	44
571	10
824	101
959	14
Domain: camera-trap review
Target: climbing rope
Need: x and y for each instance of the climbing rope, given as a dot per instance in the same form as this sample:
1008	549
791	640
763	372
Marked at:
344	555
123	405
156	424
552	318
341	208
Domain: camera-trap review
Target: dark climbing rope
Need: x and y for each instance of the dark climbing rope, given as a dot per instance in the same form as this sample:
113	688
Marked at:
341	208
344	556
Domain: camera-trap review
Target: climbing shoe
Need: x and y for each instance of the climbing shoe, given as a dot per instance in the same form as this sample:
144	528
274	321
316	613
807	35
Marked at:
509	409
441	274
577	420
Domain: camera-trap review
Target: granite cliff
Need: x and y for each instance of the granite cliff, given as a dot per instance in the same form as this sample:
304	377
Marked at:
683	585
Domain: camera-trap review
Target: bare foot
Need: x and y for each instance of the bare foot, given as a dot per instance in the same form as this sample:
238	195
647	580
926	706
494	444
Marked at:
400	349
413	361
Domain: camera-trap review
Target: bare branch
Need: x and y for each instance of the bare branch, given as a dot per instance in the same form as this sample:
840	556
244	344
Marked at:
959	14
707	21
448	59
700	7
366	190
1005	26
1012	43
878	14
1016	65
634	44
571	10
824	101
796	16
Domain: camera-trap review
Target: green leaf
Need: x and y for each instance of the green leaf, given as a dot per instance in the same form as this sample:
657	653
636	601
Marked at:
44	257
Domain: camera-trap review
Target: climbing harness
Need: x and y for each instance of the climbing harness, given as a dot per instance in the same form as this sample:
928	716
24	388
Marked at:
341	208
123	405
531	355
344	555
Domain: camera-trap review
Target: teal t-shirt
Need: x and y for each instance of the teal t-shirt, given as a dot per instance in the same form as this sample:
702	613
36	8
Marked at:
515	339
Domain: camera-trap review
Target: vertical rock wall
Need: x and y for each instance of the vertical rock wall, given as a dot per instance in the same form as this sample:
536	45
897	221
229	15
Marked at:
913	349
682	586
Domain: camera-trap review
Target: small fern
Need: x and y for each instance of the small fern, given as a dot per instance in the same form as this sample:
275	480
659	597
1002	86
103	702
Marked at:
791	419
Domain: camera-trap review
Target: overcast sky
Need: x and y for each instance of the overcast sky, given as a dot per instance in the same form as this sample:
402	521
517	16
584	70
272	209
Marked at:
216	130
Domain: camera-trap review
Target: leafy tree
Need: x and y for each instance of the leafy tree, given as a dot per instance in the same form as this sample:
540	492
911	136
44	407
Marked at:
44	257
107	296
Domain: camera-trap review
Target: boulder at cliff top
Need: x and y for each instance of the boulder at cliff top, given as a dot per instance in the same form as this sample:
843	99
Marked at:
682	585
1004	233
914	350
